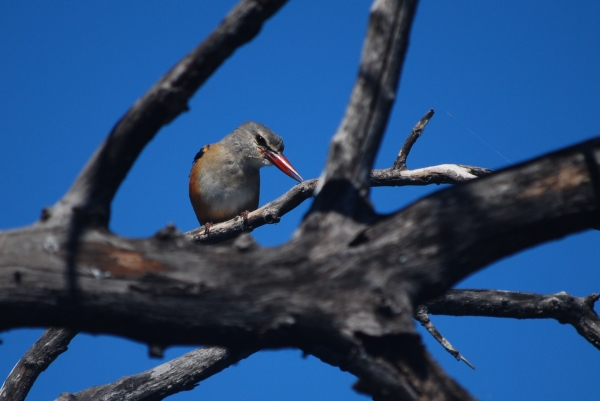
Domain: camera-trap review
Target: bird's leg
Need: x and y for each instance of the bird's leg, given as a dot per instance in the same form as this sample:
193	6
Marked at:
207	227
244	216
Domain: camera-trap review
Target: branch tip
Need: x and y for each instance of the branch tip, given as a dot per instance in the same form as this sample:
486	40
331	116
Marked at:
421	314
400	162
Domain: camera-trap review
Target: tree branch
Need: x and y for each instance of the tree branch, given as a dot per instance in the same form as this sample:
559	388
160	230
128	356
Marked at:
180	374
472	224
423	318
314	293
47	348
272	212
566	309
355	144
416	132
394	176
94	188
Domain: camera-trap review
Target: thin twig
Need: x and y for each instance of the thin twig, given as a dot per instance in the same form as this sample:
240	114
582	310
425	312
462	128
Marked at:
423	318
43	352
400	162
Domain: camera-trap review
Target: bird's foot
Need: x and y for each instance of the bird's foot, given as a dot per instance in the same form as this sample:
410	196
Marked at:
207	227
244	216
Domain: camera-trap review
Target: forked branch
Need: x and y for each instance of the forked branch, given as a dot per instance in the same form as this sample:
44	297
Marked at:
391	177
567	309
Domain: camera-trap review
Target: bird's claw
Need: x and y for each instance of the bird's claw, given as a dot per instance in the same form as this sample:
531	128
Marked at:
244	216
207	227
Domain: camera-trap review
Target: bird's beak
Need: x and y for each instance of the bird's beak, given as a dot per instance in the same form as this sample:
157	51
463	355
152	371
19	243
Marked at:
283	164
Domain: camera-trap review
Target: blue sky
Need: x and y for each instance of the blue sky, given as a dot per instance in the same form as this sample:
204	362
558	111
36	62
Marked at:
508	80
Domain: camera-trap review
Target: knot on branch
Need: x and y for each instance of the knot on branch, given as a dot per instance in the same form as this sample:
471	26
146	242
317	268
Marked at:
271	216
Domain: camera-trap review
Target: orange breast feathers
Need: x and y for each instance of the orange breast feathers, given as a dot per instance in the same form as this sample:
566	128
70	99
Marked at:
220	188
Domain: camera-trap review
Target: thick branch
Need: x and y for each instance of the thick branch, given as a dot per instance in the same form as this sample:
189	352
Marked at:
567	309
51	344
314	293
180	374
355	144
92	192
470	225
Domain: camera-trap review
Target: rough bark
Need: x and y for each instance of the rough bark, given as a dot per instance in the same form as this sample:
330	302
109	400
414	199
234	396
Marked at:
50	345
565	308
180	374
345	288
355	144
310	293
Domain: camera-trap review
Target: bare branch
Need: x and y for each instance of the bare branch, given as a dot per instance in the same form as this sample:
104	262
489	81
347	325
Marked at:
268	214
520	206
47	348
400	163
355	144
567	309
423	318
440	174
94	188
428	247
335	299
273	211
180	374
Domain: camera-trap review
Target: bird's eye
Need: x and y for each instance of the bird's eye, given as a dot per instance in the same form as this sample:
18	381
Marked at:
261	141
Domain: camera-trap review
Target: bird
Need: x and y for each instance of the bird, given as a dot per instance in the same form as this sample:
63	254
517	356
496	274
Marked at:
224	181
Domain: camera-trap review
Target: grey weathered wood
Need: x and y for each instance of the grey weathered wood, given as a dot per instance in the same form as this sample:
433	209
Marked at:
345	288
43	352
342	302
353	148
417	131
565	308
422	317
180	374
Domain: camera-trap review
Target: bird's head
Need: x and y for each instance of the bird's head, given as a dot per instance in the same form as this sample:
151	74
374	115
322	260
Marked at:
262	147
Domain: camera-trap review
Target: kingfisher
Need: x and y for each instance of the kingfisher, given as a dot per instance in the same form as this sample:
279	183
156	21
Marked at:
225	179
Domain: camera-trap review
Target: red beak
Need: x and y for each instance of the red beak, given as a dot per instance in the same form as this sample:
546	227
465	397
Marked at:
283	164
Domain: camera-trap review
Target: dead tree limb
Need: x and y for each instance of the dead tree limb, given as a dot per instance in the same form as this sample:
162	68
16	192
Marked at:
46	349
566	309
344	289
423	318
335	300
354	146
180	374
400	162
